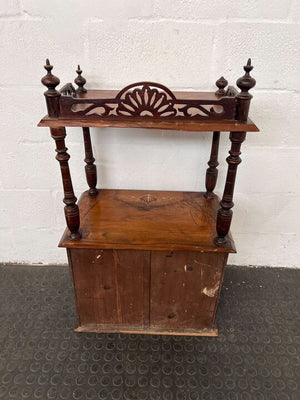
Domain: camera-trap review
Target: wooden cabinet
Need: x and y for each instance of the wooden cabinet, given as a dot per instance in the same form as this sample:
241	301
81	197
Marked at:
142	290
148	261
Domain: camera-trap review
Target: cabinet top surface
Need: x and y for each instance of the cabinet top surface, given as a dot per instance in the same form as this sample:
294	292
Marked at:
148	220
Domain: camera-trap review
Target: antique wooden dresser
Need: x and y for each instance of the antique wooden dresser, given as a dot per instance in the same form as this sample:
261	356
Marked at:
148	261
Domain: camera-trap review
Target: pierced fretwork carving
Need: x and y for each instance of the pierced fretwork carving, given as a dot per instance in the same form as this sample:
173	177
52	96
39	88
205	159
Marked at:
148	99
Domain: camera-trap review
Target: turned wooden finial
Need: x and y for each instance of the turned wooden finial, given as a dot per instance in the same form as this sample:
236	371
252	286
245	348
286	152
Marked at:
80	81
50	80
52	95
245	83
221	85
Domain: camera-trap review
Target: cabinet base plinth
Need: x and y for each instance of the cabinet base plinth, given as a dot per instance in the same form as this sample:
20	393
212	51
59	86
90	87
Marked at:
97	328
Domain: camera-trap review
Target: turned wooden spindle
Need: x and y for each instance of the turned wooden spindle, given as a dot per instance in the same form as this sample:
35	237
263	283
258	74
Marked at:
224	217
212	171
90	168
80	81
221	85
71	208
225	213
52	95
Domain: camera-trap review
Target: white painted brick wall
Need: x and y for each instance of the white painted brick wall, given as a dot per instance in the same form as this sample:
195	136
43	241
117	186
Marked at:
183	44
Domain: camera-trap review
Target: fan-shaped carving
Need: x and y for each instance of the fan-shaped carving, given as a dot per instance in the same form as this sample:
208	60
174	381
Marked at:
146	101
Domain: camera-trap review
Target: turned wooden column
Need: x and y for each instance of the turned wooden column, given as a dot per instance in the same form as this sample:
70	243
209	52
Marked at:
58	134
225	213
71	208
224	217
90	168
212	171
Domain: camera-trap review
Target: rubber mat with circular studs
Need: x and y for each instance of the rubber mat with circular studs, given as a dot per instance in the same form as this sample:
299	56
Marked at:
256	355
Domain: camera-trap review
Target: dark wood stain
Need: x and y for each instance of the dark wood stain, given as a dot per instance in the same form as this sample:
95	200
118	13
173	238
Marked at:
148	261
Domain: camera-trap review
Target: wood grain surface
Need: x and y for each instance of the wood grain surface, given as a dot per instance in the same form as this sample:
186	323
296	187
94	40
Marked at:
150	290
148	220
185	289
181	125
111	286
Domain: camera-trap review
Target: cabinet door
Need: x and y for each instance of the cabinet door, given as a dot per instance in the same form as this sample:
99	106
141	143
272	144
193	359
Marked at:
111	287
185	289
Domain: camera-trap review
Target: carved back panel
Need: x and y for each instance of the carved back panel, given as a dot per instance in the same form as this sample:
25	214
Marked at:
149	100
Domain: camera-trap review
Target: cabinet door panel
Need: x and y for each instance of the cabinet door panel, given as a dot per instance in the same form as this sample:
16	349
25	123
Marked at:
184	289
112	286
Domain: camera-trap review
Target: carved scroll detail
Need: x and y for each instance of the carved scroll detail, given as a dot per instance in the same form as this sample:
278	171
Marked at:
149	100
68	90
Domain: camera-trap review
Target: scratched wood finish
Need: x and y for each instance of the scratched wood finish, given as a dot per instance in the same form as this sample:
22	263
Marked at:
148	220
185	289
98	328
153	291
111	286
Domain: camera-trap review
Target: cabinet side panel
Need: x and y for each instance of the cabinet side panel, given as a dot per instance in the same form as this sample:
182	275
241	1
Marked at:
184	289
71	270
109	286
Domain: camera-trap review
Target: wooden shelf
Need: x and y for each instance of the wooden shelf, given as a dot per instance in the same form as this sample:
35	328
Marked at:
147	105
152	123
148	220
